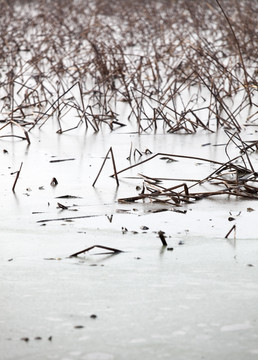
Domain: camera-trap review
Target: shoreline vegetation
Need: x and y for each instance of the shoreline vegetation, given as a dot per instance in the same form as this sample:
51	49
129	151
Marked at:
178	66
146	54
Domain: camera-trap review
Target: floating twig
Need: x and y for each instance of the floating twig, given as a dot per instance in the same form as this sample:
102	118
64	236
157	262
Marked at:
68	218
116	251
233	228
61	160
167	155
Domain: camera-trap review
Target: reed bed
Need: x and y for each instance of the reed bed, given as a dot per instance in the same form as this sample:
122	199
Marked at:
180	66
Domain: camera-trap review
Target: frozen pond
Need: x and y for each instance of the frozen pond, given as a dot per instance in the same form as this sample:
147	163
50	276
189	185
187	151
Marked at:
163	96
197	300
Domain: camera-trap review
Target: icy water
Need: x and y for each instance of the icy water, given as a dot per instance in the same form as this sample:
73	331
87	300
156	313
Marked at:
194	299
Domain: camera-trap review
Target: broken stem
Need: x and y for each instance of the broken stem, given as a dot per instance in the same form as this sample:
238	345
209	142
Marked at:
94	246
230	231
17	176
162	238
114	167
172	155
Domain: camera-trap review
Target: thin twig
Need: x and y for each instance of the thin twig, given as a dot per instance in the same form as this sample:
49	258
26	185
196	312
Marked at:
233	227
68	218
96	246
114	167
17	176
171	155
239	51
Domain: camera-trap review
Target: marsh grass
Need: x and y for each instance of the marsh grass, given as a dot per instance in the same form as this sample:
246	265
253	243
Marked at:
179	66
176	63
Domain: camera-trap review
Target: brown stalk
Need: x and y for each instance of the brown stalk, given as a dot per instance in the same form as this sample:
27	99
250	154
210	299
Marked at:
162	238
17	177
53	104
239	50
170	155
114	167
230	231
12	122
116	251
67	218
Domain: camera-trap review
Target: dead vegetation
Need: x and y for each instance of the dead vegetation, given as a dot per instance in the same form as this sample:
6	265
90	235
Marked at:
178	65
235	177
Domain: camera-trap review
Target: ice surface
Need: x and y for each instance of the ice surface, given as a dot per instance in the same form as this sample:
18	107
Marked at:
197	301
